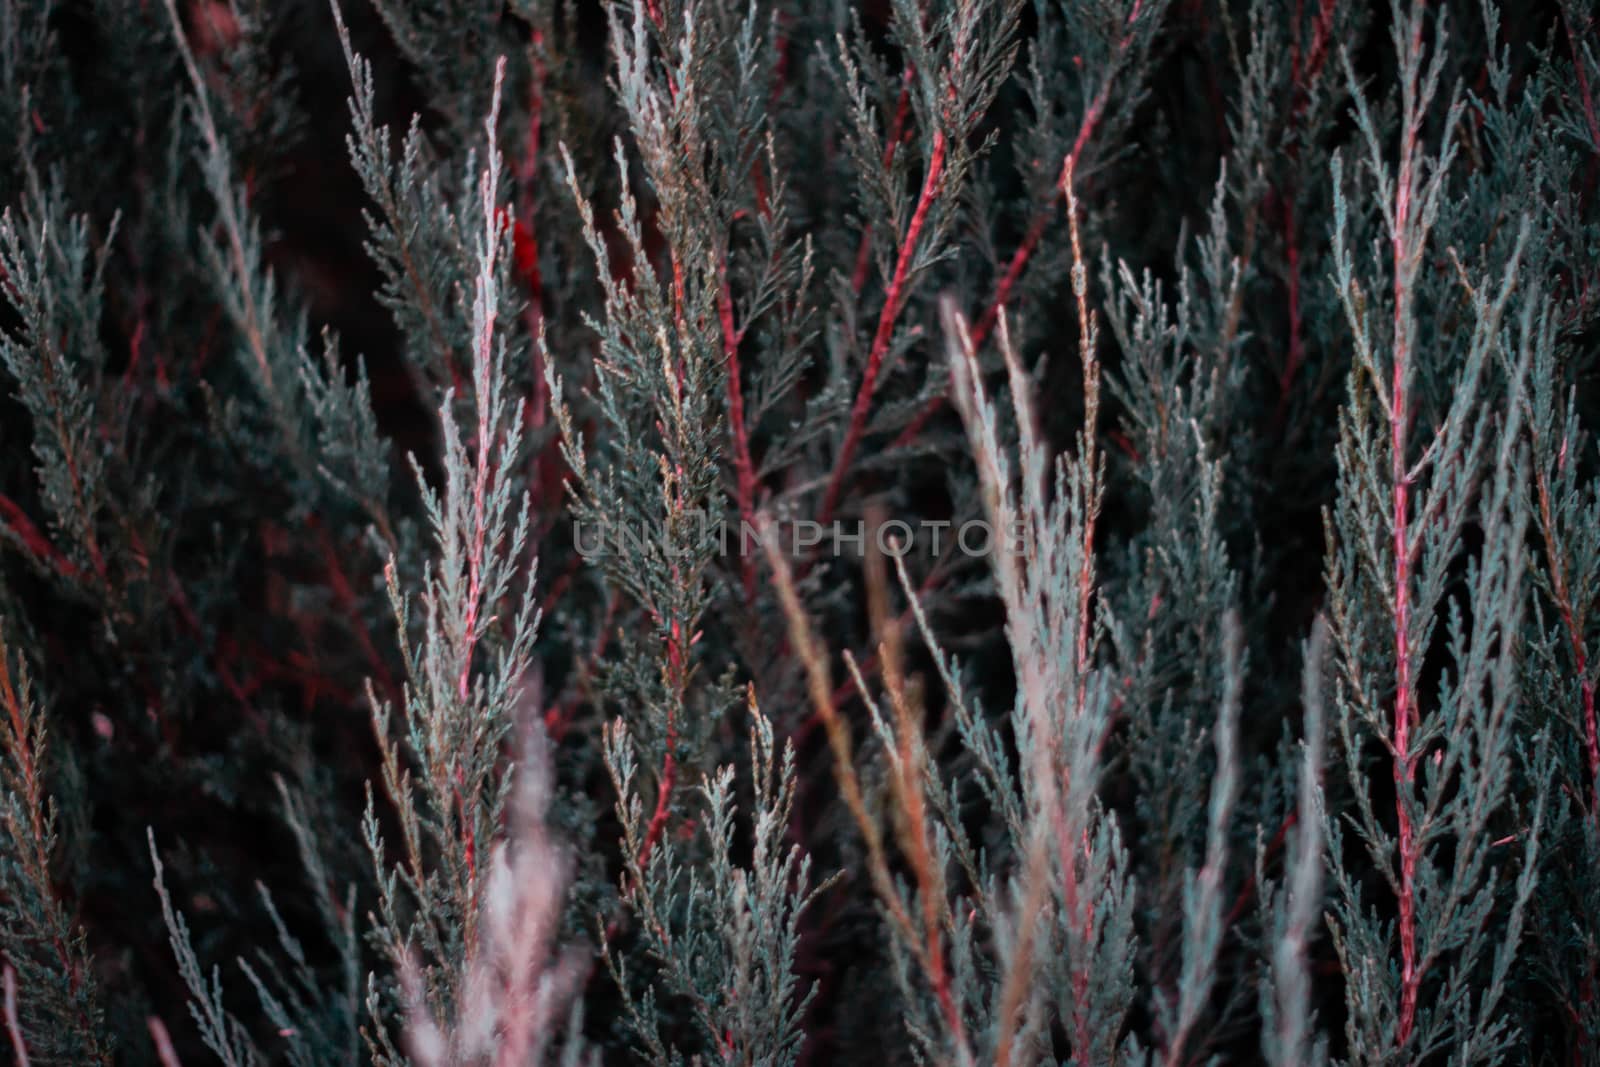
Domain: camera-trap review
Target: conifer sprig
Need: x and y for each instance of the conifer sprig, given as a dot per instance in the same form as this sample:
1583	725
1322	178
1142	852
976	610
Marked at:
1461	746
445	774
880	535
52	1011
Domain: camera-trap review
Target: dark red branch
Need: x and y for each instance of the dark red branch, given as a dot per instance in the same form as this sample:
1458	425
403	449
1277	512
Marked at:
677	660
743	467
1583	88
1087	126
886	321
344	596
1404	710
34	541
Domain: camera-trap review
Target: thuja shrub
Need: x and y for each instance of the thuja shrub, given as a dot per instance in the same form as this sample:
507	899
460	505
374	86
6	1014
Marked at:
773	532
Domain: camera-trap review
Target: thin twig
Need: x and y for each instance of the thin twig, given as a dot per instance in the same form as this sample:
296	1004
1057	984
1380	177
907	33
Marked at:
892	304
165	1053
19	1047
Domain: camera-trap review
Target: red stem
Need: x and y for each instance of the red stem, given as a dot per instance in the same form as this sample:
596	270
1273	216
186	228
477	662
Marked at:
1569	620
526	235
165	1053
1583	86
469	621
1037	226
1399	414
885	332
1321	34
1409	978
1587	687
1041	219
483	361
19	1045
38	832
1086	127
344	596
1301	76
1591	734
69	459
1247	890
37	544
658	820
743	467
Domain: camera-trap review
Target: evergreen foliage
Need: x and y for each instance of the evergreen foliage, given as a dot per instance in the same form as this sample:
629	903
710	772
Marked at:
774	532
